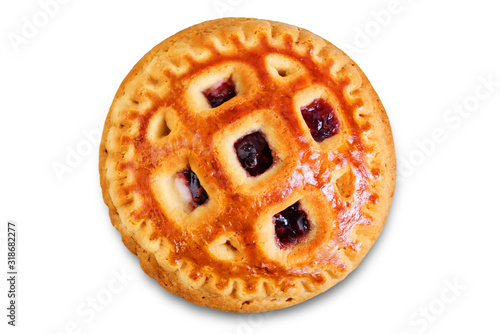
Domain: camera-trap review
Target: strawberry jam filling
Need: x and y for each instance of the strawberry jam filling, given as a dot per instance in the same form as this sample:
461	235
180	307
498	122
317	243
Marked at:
191	189
254	153
321	119
220	92
291	225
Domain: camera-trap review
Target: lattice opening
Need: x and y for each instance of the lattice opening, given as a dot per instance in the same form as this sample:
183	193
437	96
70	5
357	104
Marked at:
282	67
190	189
283	72
254	153
211	90
291	226
159	126
346	184
220	92
321	120
227	248
162	130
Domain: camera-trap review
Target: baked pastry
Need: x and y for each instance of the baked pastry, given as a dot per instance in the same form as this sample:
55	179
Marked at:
248	163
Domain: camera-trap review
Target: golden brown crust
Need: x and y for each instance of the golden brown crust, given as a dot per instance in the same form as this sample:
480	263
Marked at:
346	183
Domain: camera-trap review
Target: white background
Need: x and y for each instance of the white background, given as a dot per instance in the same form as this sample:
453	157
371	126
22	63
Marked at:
427	60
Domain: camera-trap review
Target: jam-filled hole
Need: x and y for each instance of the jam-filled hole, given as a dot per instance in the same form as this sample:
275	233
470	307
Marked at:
222	91
291	226
190	189
321	120
254	153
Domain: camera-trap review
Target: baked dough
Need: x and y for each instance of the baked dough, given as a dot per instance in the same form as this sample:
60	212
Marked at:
223	248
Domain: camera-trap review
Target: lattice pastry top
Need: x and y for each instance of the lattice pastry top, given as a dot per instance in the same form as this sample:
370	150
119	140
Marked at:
248	163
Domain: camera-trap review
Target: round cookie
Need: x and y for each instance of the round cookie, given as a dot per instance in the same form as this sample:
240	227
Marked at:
248	163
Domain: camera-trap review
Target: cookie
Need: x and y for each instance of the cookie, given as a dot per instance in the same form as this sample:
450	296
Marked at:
248	163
